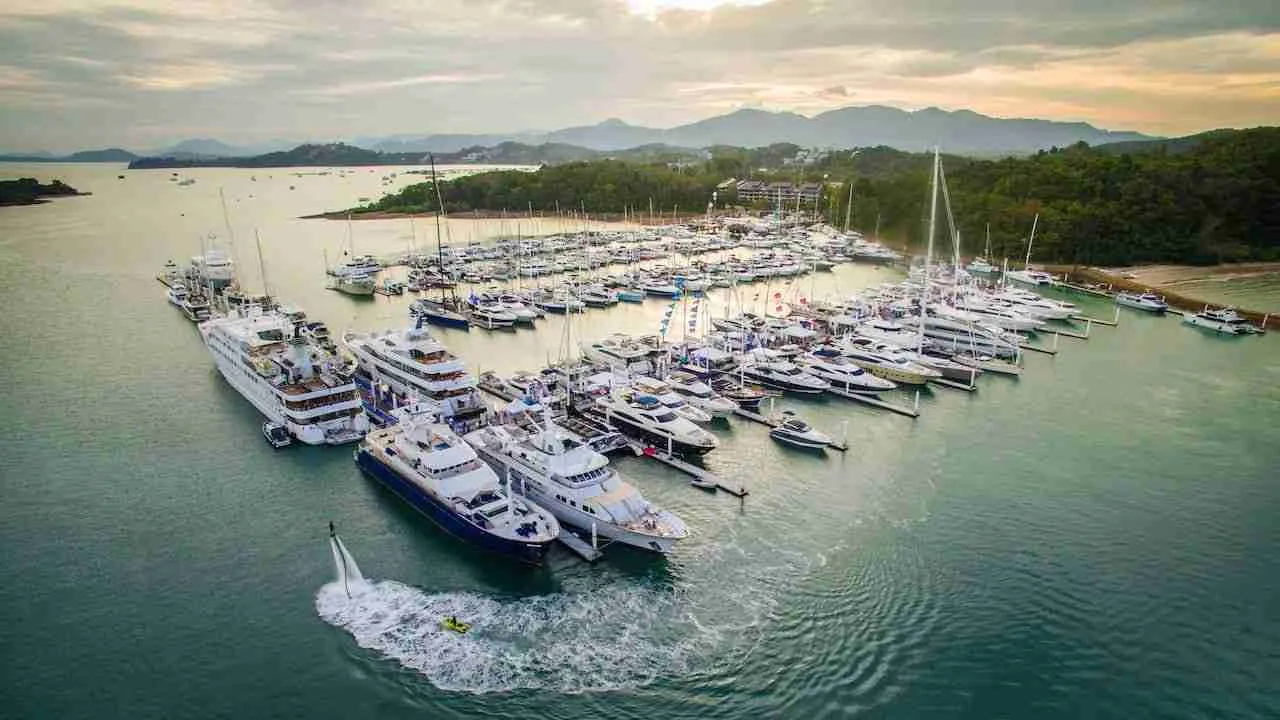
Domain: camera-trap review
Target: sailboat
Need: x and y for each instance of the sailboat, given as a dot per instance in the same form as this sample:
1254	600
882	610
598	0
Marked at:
1026	275
981	265
448	310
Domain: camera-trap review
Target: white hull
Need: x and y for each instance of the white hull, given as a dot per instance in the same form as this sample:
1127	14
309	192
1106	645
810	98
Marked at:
261	394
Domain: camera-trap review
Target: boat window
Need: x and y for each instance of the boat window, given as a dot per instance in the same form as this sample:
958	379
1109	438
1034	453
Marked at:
664	417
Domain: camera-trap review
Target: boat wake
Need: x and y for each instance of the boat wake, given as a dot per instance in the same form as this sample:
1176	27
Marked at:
609	638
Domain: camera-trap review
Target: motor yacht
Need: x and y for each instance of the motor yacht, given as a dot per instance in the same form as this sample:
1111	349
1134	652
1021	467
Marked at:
576	484
433	470
1149	302
644	417
797	433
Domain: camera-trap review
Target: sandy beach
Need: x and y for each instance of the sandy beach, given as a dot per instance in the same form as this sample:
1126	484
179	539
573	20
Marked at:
1168	276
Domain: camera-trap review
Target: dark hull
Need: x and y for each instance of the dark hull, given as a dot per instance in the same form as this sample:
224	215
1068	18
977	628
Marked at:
784	386
528	552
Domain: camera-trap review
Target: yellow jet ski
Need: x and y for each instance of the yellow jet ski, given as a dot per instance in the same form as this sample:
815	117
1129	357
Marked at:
456	625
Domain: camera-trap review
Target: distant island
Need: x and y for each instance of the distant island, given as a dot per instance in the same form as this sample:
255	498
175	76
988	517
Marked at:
344	155
29	191
114	155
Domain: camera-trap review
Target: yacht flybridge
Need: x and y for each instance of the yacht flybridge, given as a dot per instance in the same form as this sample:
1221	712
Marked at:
292	380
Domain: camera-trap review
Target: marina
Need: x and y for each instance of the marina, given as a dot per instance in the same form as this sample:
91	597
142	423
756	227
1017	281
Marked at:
874	537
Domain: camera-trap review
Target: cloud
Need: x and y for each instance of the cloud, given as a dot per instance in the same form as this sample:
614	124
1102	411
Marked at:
375	86
245	70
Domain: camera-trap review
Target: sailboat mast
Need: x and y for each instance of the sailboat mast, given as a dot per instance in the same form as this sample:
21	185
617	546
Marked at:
848	209
262	266
1026	265
933	223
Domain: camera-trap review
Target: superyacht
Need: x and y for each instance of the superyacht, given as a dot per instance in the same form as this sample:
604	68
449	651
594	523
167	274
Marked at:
293	381
414	364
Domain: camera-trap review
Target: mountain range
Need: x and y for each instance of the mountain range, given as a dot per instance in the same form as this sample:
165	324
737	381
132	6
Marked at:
960	132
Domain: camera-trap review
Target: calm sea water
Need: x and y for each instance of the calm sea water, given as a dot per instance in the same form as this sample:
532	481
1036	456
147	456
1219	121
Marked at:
1097	539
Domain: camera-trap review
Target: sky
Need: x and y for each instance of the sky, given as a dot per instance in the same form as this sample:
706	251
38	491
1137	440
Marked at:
143	74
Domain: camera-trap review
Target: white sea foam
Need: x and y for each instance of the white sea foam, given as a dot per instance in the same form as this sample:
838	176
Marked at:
610	638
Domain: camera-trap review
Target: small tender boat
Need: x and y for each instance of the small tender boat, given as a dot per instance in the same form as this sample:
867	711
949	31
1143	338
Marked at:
456	625
797	433
1149	302
631	295
276	434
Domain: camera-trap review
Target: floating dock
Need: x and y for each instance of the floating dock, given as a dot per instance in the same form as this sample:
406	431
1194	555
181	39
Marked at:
580	547
911	412
943	382
703	475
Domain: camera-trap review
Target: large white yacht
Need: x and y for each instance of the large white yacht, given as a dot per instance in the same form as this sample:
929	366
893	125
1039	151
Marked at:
414	364
292	380
644	417
576	484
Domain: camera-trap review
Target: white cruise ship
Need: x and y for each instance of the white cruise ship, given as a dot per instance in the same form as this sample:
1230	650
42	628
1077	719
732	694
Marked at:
577	485
290	379
414	364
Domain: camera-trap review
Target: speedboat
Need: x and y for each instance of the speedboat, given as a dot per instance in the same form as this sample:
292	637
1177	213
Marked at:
1226	321
783	375
841	373
441	476
643	416
1142	301
700	395
797	433
576	484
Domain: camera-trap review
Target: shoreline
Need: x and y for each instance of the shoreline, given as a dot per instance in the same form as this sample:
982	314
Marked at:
1165	280
614	217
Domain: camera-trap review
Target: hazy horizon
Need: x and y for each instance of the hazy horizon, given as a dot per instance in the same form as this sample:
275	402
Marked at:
144	74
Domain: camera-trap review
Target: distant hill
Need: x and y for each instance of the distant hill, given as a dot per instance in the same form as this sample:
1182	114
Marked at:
204	147
341	154
1172	146
308	155
961	131
108	155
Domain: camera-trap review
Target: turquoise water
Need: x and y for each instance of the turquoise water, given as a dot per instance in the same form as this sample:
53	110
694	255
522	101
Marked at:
1095	539
1259	292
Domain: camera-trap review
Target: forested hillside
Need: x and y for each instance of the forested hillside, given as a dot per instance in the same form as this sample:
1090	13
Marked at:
1215	200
